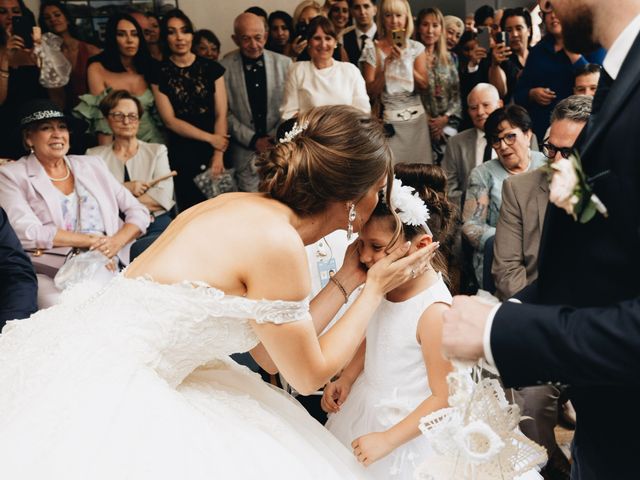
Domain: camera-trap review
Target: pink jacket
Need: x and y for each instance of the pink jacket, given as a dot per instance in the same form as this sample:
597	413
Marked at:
30	199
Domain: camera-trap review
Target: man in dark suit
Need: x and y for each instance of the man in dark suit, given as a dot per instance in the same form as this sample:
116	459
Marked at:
363	13
580	323
18	284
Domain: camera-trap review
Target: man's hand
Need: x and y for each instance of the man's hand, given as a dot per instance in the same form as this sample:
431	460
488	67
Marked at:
264	143
542	96
463	328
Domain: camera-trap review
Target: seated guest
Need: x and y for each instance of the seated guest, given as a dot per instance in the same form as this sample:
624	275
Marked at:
254	80
508	60
587	78
395	72
508	131
18	284
55	18
363	13
206	44
322	80
55	200
469	148
524	202
125	64
549	74
280	32
137	164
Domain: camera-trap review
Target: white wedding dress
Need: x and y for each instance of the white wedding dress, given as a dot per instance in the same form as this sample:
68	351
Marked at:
134	382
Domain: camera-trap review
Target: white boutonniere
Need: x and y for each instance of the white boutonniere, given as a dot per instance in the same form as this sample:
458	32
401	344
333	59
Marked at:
569	189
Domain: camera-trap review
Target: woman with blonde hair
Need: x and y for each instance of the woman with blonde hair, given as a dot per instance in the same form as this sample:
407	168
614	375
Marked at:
305	11
441	99
394	67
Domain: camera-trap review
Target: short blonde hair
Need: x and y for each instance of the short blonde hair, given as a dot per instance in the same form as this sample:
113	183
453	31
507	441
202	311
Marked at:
453	21
395	6
302	6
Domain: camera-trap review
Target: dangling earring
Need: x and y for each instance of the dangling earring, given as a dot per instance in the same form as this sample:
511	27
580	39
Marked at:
351	217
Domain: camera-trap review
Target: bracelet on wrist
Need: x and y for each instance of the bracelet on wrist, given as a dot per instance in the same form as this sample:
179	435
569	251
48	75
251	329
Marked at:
340	287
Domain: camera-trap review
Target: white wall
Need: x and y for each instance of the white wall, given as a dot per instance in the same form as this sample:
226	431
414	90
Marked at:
218	15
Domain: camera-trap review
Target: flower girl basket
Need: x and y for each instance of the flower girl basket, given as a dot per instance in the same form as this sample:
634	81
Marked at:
477	437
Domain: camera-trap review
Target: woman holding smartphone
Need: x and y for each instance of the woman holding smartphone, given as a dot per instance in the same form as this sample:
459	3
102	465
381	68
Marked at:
395	69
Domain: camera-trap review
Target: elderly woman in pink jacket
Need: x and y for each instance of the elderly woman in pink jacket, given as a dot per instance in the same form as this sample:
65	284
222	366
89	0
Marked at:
57	200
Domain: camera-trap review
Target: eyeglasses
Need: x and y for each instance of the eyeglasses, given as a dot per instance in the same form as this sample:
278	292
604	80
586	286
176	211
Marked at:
545	6
509	139
550	150
119	117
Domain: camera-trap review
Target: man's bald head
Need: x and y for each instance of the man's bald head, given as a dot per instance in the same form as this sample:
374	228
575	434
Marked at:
250	35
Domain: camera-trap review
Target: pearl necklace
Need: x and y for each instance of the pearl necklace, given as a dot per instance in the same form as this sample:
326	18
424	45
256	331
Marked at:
62	179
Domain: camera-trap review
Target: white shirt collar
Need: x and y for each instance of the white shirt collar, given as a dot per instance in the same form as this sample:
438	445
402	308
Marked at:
620	48
369	33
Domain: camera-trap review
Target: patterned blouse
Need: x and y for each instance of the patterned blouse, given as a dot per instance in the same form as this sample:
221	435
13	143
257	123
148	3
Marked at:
442	96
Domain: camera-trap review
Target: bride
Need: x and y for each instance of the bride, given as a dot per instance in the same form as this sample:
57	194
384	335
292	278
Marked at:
134	382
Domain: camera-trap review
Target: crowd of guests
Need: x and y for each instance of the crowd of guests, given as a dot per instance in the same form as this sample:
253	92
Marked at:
105	159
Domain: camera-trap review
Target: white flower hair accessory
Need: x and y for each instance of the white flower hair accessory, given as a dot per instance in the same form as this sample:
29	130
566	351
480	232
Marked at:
296	130
409	206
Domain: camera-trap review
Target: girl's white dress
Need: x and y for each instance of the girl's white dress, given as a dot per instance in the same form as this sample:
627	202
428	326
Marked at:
393	383
135	382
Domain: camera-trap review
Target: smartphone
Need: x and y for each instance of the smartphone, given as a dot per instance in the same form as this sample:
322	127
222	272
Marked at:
301	30
23	27
399	38
502	37
483	38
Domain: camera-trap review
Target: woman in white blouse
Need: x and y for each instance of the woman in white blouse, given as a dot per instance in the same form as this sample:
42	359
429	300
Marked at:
322	80
143	168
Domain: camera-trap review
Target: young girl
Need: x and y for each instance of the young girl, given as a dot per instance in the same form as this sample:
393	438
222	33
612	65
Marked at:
400	376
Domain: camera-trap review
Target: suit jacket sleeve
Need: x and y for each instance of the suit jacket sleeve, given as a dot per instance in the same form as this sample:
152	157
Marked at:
240	132
18	285
583	347
508	268
452	155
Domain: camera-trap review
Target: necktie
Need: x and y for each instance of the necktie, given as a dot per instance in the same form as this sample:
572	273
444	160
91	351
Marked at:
487	153
363	41
604	85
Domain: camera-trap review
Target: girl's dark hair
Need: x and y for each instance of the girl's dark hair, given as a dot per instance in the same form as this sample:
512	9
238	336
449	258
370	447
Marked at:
110	56
515	115
60	6
164	29
288	22
325	24
208	35
518	12
430	182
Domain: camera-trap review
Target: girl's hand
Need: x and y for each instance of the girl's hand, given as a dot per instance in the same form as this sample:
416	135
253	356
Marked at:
371	447
334	395
220	142
500	53
395	53
394	270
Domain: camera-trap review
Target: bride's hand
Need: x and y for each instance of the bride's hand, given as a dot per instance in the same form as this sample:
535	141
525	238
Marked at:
393	270
352	271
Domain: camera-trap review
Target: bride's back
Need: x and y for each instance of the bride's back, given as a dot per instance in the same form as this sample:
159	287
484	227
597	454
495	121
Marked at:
218	242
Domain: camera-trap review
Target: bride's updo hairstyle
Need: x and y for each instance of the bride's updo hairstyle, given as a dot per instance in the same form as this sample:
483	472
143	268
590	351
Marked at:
339	156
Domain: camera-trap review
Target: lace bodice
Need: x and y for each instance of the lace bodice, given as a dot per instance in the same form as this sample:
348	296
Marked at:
172	329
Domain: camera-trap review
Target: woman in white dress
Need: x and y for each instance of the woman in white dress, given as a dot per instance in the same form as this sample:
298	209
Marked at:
135	381
322	80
